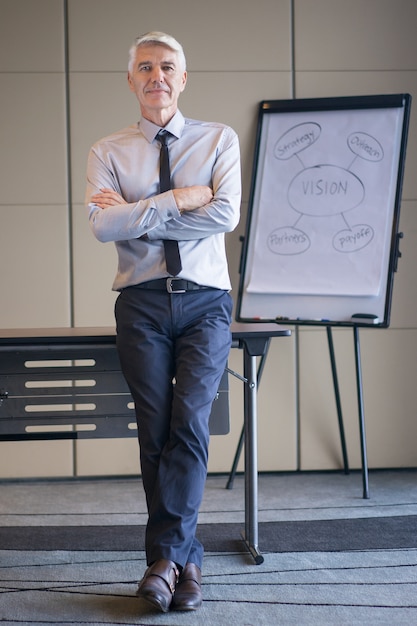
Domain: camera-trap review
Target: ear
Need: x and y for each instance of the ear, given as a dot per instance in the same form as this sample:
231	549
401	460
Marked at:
130	82
183	81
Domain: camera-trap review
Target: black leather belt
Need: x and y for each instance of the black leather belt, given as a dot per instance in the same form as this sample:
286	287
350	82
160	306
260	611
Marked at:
171	285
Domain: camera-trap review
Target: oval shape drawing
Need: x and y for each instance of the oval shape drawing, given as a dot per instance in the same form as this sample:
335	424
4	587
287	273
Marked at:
353	239
288	240
325	190
296	139
365	146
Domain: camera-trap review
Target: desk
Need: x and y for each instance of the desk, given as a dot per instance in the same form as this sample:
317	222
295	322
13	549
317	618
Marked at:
72	343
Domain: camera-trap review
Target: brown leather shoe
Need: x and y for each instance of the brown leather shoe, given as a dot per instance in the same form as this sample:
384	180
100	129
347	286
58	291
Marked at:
158	584
187	596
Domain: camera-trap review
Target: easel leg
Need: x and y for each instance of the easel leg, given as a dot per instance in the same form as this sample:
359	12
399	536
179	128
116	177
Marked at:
337	398
361	413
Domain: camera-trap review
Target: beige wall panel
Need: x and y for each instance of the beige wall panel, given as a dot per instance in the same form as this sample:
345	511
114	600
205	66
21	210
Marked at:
234	35
319	432
324	84
33	142
99	105
389	364
34	267
36	459
118	108
112	457
94	267
277	409
355	35
404	309
233	250
389	360
201	101
31	36
276	413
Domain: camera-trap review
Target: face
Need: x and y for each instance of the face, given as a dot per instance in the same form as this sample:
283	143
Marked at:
157	79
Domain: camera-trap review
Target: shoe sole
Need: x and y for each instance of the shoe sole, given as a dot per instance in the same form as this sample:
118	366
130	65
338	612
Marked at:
154	603
175	607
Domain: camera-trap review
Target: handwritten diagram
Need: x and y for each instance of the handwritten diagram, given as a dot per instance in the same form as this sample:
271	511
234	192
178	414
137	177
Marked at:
323	202
323	190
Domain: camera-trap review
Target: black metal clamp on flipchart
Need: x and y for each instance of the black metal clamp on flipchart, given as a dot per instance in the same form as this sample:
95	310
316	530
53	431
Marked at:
322	244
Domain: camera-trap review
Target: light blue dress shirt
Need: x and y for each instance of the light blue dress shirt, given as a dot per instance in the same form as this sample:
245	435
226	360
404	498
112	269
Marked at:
201	153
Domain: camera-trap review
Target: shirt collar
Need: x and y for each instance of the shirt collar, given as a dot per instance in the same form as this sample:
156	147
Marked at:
174	126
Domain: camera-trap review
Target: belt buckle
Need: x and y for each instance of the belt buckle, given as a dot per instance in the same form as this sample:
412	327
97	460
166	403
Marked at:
169	285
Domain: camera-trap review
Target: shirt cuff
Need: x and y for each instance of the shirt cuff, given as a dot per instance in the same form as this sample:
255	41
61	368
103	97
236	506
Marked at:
166	207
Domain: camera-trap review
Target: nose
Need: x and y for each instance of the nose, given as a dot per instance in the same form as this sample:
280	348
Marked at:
157	75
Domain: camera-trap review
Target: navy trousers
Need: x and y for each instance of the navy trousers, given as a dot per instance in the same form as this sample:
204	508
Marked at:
173	349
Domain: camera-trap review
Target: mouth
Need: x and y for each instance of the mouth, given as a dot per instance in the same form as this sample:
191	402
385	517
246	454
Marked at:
157	89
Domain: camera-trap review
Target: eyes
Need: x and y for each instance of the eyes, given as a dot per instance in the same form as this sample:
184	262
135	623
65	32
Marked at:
168	69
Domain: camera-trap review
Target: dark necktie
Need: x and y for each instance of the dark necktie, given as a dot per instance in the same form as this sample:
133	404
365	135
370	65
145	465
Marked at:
172	253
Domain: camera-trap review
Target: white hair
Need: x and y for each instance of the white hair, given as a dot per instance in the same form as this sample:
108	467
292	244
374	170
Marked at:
157	38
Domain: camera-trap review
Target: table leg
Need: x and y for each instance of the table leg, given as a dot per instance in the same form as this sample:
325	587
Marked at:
250	535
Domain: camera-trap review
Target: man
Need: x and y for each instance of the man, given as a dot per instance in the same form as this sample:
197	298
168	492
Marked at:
173	332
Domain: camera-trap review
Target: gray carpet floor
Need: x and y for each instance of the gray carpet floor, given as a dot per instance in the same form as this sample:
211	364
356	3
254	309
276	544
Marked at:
320	587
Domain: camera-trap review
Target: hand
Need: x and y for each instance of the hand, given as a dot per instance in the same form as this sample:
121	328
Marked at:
190	198
107	197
